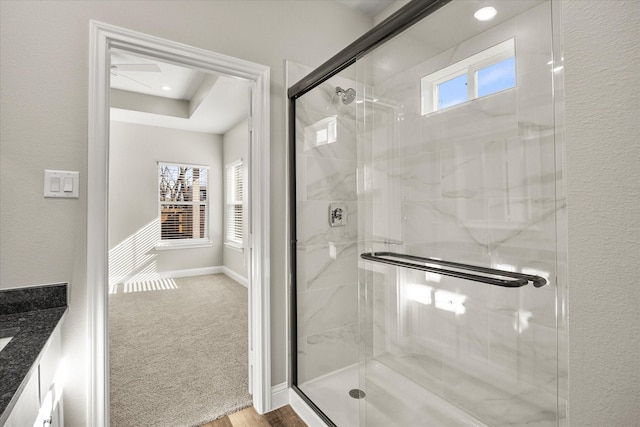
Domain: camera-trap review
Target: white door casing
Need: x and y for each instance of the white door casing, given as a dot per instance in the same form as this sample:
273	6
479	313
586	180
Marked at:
103	37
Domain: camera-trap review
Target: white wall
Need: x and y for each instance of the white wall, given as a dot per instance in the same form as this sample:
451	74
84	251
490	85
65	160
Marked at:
43	125
602	63
134	153
235	145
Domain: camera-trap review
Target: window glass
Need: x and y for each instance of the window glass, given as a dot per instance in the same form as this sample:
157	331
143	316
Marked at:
452	92
484	73
183	202
497	77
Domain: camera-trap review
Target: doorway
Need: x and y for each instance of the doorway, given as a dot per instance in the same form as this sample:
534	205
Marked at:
178	294
104	39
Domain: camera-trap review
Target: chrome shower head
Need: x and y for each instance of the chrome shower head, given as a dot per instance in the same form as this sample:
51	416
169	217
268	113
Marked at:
347	95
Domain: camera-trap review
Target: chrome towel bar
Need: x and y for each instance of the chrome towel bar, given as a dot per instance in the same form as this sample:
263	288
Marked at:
511	279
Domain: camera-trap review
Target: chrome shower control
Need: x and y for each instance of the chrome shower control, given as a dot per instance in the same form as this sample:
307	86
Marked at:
337	214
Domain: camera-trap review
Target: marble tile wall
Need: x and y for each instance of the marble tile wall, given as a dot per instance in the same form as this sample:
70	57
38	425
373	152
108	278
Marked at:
477	183
328	329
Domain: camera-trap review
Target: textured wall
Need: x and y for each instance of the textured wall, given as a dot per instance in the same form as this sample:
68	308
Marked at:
602	59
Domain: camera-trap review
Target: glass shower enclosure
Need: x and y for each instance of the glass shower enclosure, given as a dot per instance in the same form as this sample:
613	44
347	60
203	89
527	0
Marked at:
428	221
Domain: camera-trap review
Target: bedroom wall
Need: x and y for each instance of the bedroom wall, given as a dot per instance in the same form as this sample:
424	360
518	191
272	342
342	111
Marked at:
134	153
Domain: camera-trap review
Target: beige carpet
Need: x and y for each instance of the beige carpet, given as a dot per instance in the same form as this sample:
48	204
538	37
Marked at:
178	354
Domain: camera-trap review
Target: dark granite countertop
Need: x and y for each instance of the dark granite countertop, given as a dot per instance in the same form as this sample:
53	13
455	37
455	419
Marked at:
30	315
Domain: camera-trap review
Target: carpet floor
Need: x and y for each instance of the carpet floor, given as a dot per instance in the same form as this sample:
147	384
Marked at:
178	352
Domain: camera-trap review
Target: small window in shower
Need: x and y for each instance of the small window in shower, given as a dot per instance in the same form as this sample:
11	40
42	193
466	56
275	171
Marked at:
452	92
496	77
490	71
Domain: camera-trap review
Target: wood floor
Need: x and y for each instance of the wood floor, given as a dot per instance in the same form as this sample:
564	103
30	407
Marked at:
282	417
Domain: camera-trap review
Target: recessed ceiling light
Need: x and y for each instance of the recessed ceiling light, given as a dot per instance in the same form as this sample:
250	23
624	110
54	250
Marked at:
485	14
165	87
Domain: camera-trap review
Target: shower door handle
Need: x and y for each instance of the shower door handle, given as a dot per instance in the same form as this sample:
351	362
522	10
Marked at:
512	279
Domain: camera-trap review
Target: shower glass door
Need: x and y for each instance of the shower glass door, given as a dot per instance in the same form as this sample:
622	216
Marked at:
458	168
428	226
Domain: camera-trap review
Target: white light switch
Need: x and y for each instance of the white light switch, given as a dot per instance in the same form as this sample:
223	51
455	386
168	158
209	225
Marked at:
63	184
68	184
55	184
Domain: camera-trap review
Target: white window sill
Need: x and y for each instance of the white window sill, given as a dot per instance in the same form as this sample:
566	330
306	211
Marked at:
168	246
234	246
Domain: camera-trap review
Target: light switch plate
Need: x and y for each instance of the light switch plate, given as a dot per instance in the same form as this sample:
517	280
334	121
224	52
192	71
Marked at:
61	184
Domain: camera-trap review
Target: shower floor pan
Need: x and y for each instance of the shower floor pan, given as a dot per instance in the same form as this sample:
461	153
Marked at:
391	400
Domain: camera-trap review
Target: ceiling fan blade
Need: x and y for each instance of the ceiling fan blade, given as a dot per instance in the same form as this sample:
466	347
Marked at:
133	80
136	67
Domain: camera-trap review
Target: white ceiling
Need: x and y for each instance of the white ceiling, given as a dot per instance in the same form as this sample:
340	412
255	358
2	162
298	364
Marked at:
368	7
196	101
211	103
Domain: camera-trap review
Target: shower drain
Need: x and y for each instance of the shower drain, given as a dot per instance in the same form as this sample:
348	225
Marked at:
356	393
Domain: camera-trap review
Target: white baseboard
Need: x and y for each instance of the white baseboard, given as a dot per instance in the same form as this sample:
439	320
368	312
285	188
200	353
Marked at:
282	395
238	278
279	396
303	410
187	272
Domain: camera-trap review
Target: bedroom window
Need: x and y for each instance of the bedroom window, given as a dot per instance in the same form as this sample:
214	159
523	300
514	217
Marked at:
183	204
490	71
234	205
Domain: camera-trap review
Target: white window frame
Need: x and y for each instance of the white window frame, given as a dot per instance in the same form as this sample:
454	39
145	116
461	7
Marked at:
470	66
165	244
233	171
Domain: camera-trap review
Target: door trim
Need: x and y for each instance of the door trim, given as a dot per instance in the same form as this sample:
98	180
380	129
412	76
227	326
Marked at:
103	37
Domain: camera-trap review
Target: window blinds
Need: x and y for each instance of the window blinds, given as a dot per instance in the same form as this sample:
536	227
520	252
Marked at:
183	199
235	197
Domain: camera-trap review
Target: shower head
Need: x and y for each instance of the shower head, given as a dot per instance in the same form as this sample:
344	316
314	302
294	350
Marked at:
347	95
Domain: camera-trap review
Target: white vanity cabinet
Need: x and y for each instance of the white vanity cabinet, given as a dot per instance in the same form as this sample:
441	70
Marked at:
40	403
25	412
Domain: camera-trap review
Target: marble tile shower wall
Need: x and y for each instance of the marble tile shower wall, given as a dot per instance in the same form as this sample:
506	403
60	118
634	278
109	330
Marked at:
327	275
475	184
